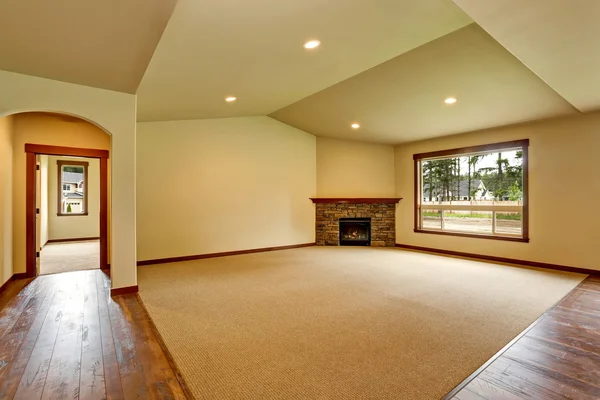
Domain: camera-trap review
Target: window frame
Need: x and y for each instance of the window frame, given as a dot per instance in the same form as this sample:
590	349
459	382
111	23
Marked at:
515	144
69	163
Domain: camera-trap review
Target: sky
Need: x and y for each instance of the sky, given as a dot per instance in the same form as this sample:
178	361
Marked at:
489	161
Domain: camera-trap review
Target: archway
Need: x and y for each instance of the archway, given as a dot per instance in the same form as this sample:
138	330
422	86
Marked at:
58	145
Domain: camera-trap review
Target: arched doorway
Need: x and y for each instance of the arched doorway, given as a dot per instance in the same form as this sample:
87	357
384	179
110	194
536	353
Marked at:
56	144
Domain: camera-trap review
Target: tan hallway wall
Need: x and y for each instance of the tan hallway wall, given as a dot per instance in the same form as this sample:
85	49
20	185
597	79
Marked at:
6	137
564	188
43	199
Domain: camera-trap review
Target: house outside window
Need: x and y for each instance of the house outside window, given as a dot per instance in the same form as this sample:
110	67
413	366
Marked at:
72	178
479	191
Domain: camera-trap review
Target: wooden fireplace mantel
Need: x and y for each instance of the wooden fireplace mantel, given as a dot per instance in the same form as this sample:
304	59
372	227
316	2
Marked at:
360	200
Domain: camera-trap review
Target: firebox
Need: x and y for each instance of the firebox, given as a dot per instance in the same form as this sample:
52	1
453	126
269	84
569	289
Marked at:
355	231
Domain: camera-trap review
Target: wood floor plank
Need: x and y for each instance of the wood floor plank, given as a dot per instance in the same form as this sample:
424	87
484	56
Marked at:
506	373
64	337
91	383
159	378
34	377
112	377
12	290
63	377
14	309
18	343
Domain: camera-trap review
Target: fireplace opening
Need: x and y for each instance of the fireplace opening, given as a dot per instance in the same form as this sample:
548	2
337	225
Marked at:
355	231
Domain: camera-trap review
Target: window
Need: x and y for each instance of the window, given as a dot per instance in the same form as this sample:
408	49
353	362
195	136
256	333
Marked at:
72	199
479	191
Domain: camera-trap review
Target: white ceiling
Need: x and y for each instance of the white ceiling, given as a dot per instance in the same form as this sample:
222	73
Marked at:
106	44
559	40
403	99
253	50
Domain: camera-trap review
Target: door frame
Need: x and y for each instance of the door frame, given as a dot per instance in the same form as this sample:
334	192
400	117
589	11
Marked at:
32	150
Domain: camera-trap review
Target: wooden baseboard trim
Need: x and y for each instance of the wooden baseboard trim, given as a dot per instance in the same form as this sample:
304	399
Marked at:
14	277
224	254
500	259
124	290
72	240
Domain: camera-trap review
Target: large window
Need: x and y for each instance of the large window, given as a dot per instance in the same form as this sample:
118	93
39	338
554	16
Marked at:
72	178
479	191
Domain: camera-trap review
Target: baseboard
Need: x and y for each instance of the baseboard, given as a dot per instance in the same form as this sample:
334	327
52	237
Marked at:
14	277
124	290
72	240
224	254
500	259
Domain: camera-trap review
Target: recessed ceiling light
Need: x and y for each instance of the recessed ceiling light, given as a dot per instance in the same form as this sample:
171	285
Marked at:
311	44
450	100
355	126
230	99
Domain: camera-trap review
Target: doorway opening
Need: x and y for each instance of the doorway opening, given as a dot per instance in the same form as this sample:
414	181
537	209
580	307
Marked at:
66	209
67	206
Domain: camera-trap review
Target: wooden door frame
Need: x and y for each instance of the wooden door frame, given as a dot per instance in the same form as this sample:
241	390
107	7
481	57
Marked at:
32	150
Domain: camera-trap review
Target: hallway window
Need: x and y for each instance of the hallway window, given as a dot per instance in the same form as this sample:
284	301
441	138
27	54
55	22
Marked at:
72	177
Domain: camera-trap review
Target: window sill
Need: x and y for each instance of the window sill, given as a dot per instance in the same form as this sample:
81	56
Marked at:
71	215
469	235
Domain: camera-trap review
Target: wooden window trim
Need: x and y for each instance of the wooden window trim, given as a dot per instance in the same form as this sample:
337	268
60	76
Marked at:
523	144
61	164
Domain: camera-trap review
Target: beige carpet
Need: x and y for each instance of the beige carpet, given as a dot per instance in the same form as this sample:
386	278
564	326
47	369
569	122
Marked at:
340	323
70	256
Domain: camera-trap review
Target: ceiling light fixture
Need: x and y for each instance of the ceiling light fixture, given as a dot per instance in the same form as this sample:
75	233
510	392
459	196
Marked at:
311	44
230	99
450	100
355	126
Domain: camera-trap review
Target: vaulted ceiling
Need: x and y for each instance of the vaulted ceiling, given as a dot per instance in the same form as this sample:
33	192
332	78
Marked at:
385	64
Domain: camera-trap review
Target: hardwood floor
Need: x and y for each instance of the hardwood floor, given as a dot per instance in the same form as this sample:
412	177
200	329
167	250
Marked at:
557	358
63	337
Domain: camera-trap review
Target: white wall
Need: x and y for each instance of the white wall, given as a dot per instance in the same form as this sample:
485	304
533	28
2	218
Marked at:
219	185
43	200
354	169
115	112
564	188
6	269
80	226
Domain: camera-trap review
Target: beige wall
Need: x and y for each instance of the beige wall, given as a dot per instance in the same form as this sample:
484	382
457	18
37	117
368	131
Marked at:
43	199
564	186
81	226
218	185
6	270
40	128
354	169
116	113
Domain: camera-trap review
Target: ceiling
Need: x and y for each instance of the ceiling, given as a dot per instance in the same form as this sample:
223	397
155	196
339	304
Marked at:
403	99
254	50
106	44
386	64
559	40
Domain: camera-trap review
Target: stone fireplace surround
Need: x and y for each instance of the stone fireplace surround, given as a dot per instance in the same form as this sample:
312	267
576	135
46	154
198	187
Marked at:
382	212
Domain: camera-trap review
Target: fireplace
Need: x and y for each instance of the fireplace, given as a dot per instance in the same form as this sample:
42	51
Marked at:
355	231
